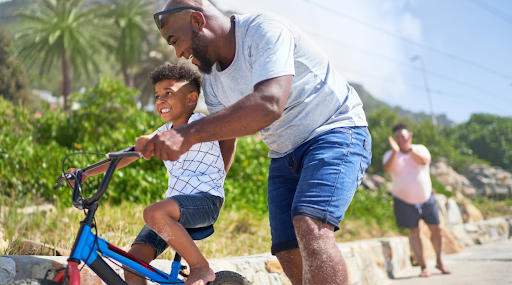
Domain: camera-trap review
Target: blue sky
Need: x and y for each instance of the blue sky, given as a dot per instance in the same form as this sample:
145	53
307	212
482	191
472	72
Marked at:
466	46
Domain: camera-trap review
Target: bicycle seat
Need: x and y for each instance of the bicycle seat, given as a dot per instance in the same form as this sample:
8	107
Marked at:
200	233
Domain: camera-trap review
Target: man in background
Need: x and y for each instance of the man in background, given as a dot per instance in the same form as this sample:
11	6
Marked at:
409	165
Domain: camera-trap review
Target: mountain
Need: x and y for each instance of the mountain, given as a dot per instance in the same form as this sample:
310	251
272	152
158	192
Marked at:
370	103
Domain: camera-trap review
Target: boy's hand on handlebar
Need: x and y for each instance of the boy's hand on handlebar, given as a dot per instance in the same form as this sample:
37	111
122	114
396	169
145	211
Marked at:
141	141
72	182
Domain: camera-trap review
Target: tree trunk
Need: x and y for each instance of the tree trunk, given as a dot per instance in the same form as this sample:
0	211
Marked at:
128	76
66	79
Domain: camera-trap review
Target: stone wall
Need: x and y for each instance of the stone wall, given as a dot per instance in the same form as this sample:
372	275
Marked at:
368	262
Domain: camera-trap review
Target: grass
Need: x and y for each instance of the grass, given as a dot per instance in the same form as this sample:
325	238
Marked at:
492	208
237	232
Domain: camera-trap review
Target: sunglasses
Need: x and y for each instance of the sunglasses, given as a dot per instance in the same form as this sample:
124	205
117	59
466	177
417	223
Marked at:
158	21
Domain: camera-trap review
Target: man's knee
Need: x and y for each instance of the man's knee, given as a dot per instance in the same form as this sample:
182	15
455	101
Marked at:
435	230
414	232
311	229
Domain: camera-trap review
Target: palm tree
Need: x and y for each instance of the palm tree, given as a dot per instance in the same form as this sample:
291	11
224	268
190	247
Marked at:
131	18
60	29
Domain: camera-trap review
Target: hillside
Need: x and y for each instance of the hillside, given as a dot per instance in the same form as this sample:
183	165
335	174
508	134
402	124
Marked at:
371	103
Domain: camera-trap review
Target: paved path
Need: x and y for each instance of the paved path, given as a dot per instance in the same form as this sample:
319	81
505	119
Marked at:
483	265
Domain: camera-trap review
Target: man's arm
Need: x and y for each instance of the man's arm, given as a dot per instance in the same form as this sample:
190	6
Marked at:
249	115
390	163
227	148
419	157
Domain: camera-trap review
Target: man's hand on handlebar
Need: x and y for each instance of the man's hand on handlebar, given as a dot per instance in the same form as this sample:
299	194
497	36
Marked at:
141	141
168	145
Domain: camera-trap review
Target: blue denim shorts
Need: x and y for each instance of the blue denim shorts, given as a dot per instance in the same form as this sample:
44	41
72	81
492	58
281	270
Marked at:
196	211
318	179
408	216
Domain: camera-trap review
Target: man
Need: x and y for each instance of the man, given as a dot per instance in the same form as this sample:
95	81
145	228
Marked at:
409	165
262	74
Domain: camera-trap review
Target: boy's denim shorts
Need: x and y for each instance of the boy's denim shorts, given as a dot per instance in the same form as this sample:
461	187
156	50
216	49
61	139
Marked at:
318	180
196	211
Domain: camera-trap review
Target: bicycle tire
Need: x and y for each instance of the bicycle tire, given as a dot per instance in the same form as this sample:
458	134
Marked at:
33	281
229	278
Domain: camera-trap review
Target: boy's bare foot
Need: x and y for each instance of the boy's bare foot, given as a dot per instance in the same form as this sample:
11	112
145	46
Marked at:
200	276
424	272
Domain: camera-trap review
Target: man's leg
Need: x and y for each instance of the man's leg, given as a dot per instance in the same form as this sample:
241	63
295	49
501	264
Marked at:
417	249
291	261
438	243
321	257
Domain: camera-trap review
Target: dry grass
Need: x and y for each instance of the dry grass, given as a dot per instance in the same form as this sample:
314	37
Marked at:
236	233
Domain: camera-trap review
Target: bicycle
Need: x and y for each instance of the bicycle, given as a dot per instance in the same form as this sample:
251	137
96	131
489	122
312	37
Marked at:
91	249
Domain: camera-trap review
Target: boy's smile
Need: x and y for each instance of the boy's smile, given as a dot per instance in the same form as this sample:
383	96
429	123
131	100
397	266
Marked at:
175	101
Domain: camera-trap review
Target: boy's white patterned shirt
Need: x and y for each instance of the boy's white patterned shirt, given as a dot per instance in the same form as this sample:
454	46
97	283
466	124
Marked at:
201	169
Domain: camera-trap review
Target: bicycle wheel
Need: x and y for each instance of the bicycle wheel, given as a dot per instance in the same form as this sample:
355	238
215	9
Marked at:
229	278
33	281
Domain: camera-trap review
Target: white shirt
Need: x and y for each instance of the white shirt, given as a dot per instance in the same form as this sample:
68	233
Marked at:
270	46
201	169
411	181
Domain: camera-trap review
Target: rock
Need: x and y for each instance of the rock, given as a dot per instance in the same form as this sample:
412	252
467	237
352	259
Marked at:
3	243
451	179
373	181
490	181
453	215
451	243
7	270
460	233
486	231
474	215
28	247
273	266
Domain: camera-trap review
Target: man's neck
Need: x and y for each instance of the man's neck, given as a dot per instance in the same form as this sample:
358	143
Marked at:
227	49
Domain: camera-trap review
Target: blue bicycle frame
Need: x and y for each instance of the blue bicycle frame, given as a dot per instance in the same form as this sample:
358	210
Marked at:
91	249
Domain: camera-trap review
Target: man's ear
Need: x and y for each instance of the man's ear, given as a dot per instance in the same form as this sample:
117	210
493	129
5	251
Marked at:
193	97
198	21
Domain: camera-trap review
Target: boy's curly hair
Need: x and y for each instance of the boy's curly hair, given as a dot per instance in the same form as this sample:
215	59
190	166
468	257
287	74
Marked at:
180	73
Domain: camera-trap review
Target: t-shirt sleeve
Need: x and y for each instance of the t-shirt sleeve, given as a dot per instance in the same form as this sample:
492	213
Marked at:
387	156
271	51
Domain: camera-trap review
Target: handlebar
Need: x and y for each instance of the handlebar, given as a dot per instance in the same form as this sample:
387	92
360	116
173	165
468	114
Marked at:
113	158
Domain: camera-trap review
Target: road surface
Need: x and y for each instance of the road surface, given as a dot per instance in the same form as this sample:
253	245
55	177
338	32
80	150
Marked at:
482	264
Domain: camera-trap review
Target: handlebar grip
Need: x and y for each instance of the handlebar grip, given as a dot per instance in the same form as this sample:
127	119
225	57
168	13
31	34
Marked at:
61	180
127	152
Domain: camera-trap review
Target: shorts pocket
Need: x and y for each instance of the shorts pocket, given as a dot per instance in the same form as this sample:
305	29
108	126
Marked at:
366	160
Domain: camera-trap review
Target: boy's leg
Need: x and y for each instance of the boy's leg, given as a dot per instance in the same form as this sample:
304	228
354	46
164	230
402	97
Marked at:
163	217
146	247
143	252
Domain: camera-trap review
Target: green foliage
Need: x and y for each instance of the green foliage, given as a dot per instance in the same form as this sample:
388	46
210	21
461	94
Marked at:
246	182
33	149
12	74
439	187
130	18
488	136
62	30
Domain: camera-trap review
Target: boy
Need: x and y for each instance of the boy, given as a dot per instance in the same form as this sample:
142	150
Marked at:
195	189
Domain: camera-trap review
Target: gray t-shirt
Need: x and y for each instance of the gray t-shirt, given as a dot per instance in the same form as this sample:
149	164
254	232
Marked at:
270	46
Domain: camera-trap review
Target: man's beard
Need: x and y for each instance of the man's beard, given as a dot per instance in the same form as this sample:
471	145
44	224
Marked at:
200	52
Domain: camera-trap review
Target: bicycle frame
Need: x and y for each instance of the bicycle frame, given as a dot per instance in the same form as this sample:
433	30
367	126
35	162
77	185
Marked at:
90	249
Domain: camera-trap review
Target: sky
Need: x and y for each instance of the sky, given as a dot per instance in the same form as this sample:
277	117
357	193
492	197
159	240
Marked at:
464	45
